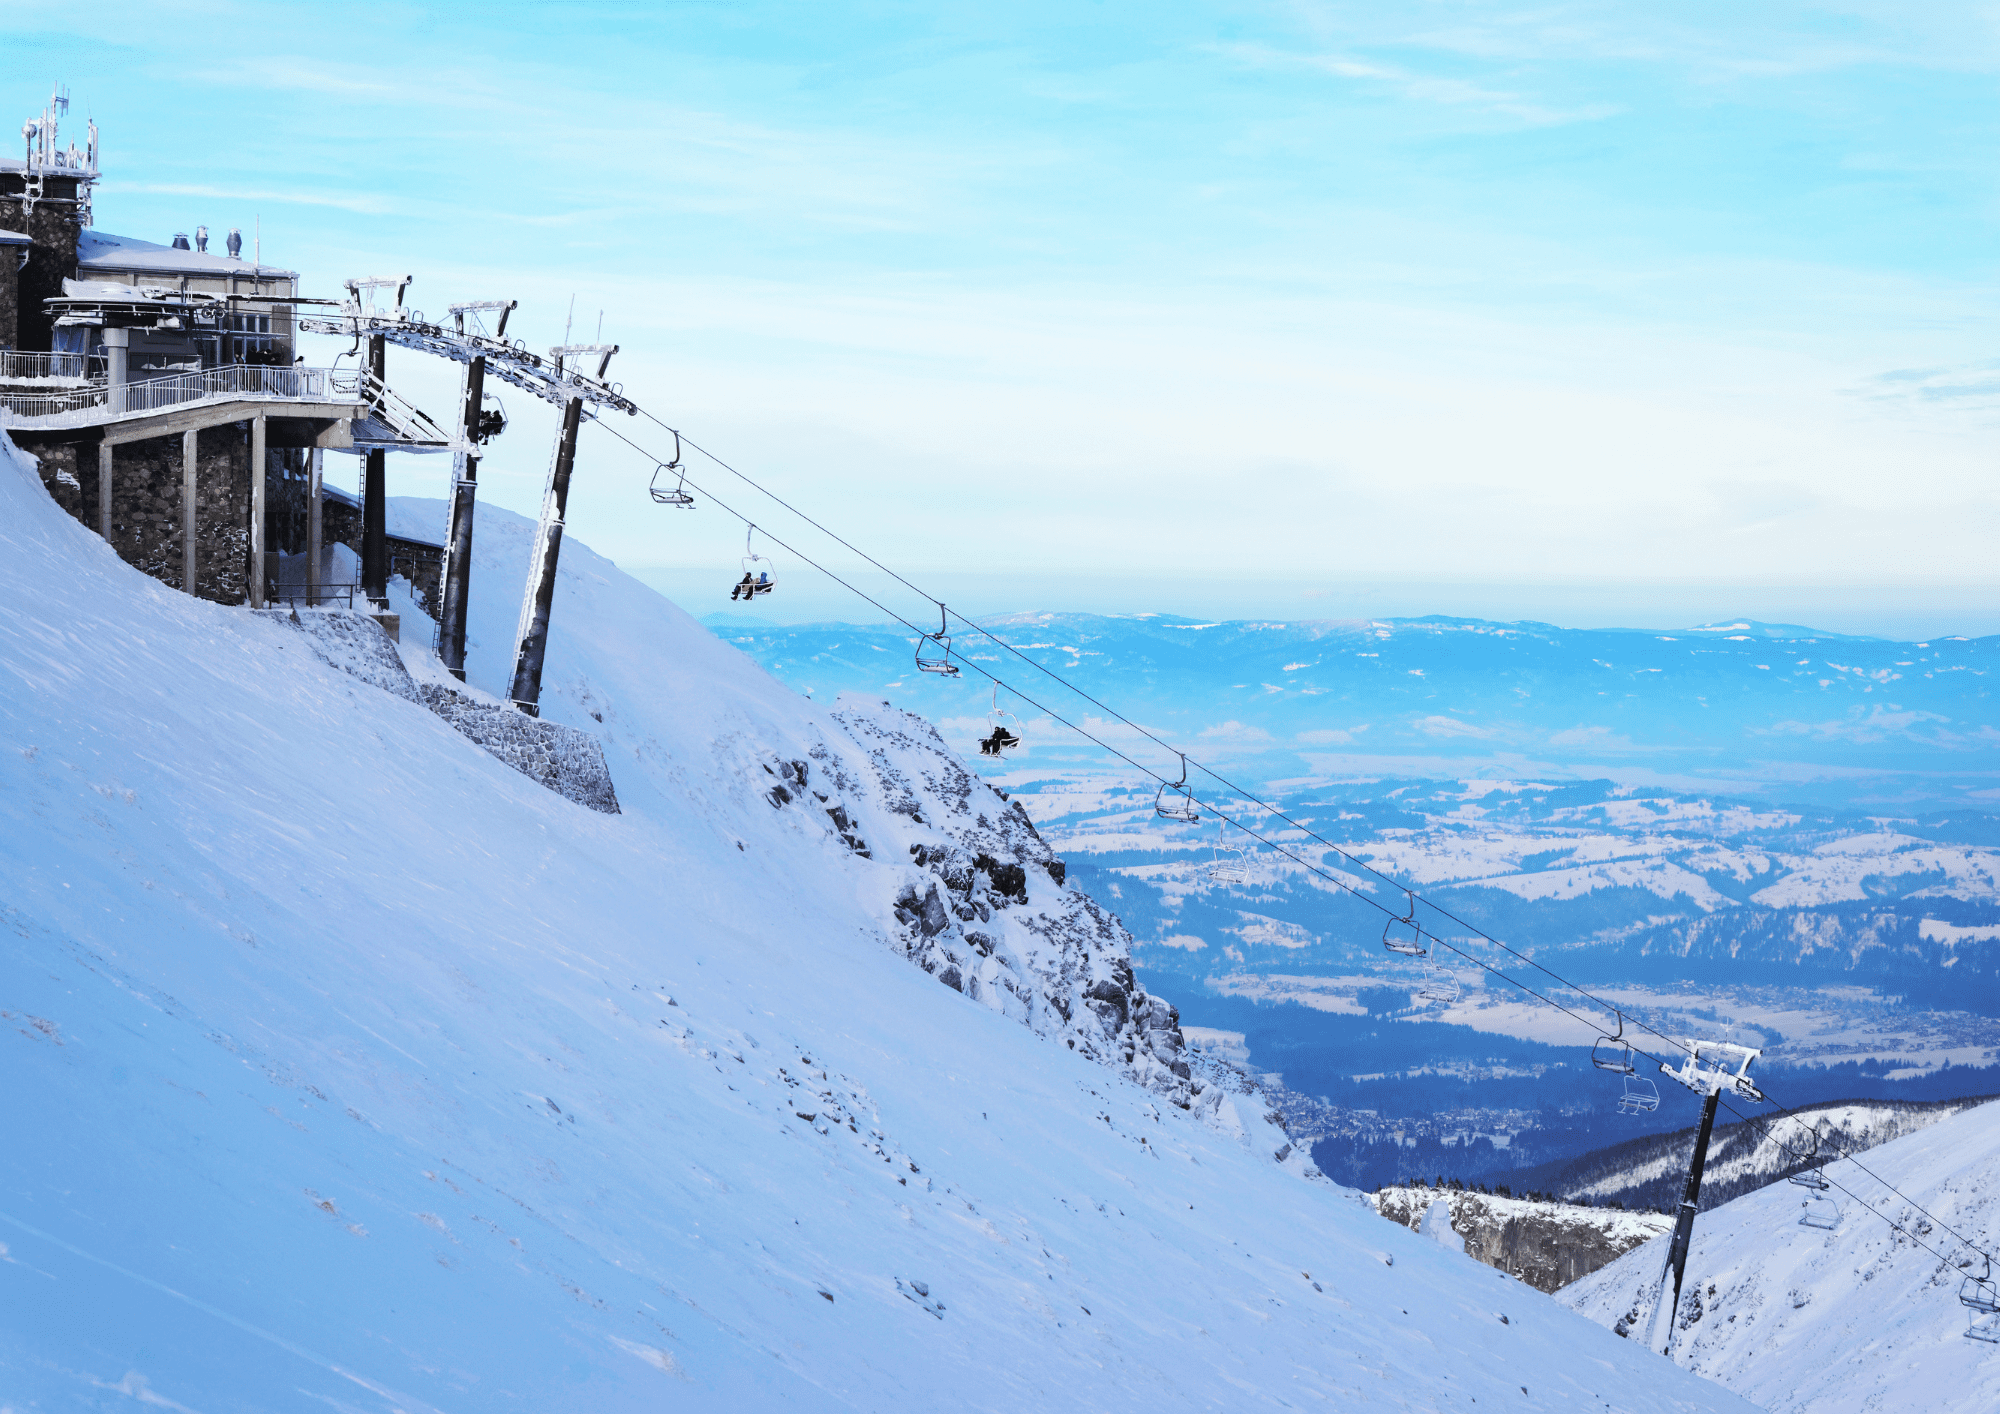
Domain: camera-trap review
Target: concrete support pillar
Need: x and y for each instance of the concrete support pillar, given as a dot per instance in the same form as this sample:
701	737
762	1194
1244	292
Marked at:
104	490
117	356
190	444
315	527
260	475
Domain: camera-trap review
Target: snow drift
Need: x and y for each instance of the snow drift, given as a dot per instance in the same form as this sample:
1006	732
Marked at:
348	1067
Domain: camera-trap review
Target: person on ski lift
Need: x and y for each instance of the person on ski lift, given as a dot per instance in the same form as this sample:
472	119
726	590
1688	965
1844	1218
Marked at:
745	587
763	583
998	742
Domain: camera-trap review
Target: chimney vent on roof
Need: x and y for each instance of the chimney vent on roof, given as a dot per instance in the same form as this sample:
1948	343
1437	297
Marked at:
235	244
201	238
180	240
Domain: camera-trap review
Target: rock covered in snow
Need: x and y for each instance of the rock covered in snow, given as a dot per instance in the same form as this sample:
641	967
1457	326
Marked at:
980	902
567	761
1546	1245
563	759
1436	1225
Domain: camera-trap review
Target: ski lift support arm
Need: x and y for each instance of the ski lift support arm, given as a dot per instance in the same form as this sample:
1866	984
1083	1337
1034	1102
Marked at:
480	306
510	363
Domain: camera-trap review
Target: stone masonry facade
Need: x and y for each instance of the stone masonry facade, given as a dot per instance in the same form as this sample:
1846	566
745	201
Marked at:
53	225
147	505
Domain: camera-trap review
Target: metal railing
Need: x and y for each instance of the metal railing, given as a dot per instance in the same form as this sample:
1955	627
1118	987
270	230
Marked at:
18	366
294	595
236	380
101	403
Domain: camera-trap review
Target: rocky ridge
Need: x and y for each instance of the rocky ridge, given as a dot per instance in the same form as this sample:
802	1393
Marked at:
1547	1245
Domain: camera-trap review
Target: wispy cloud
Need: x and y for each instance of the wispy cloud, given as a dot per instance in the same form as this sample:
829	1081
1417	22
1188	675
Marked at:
1420	87
366	205
1445	728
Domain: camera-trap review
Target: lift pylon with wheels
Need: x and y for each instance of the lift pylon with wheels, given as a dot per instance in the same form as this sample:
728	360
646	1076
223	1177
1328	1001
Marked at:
1707	1072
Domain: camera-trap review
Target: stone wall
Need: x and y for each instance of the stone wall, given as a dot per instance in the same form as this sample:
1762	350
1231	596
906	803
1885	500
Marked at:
53	226
567	761
422	565
10	295
146	505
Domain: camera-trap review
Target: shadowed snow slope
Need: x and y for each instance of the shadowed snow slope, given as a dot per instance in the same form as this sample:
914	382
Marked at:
345	1067
1857	1318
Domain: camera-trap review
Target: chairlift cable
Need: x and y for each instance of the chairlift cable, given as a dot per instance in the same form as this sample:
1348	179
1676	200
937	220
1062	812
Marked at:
1762	1125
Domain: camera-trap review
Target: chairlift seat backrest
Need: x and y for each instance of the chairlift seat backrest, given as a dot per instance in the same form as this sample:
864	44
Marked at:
1820	1212
1641	1096
1980	1294
1613	1055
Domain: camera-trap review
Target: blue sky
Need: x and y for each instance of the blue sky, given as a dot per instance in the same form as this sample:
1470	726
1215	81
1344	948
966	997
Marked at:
1580	311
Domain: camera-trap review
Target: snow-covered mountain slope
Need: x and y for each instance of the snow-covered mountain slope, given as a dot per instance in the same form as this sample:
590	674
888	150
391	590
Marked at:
1795	1318
348	1067
1649	1172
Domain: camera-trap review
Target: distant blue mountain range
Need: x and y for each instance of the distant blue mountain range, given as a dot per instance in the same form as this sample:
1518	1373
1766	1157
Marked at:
1769	710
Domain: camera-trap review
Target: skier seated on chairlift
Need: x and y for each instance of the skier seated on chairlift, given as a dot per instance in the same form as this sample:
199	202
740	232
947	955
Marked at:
748	588
998	742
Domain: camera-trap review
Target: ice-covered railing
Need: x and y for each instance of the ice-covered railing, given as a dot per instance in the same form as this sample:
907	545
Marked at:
20	367
409	422
101	403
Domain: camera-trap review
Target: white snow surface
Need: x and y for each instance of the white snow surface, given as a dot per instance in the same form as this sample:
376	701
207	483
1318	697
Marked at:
347	1068
1859	1318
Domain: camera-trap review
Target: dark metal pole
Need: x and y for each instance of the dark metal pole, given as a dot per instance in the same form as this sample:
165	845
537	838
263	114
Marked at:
458	538
533	633
374	508
1677	1250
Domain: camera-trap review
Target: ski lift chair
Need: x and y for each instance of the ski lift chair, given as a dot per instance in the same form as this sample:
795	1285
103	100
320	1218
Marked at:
1614	1052
675	495
1641	1096
1440	986
1821	1212
1810	1176
939	659
1981	1299
1173	801
759	573
1415	946
1004	730
1228	865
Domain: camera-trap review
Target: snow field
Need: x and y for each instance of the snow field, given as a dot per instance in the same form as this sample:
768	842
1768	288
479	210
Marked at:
348	1068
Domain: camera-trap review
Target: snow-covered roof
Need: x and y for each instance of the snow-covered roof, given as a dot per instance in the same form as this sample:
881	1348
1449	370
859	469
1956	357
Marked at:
100	250
14	238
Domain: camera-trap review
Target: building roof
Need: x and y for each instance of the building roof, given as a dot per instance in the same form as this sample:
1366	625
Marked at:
100	250
15	238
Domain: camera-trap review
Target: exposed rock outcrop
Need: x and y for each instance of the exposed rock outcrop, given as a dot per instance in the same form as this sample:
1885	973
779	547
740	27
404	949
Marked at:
1547	1245
979	901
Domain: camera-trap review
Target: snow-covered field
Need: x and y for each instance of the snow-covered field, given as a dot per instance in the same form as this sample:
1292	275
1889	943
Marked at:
348	1068
1861	1317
